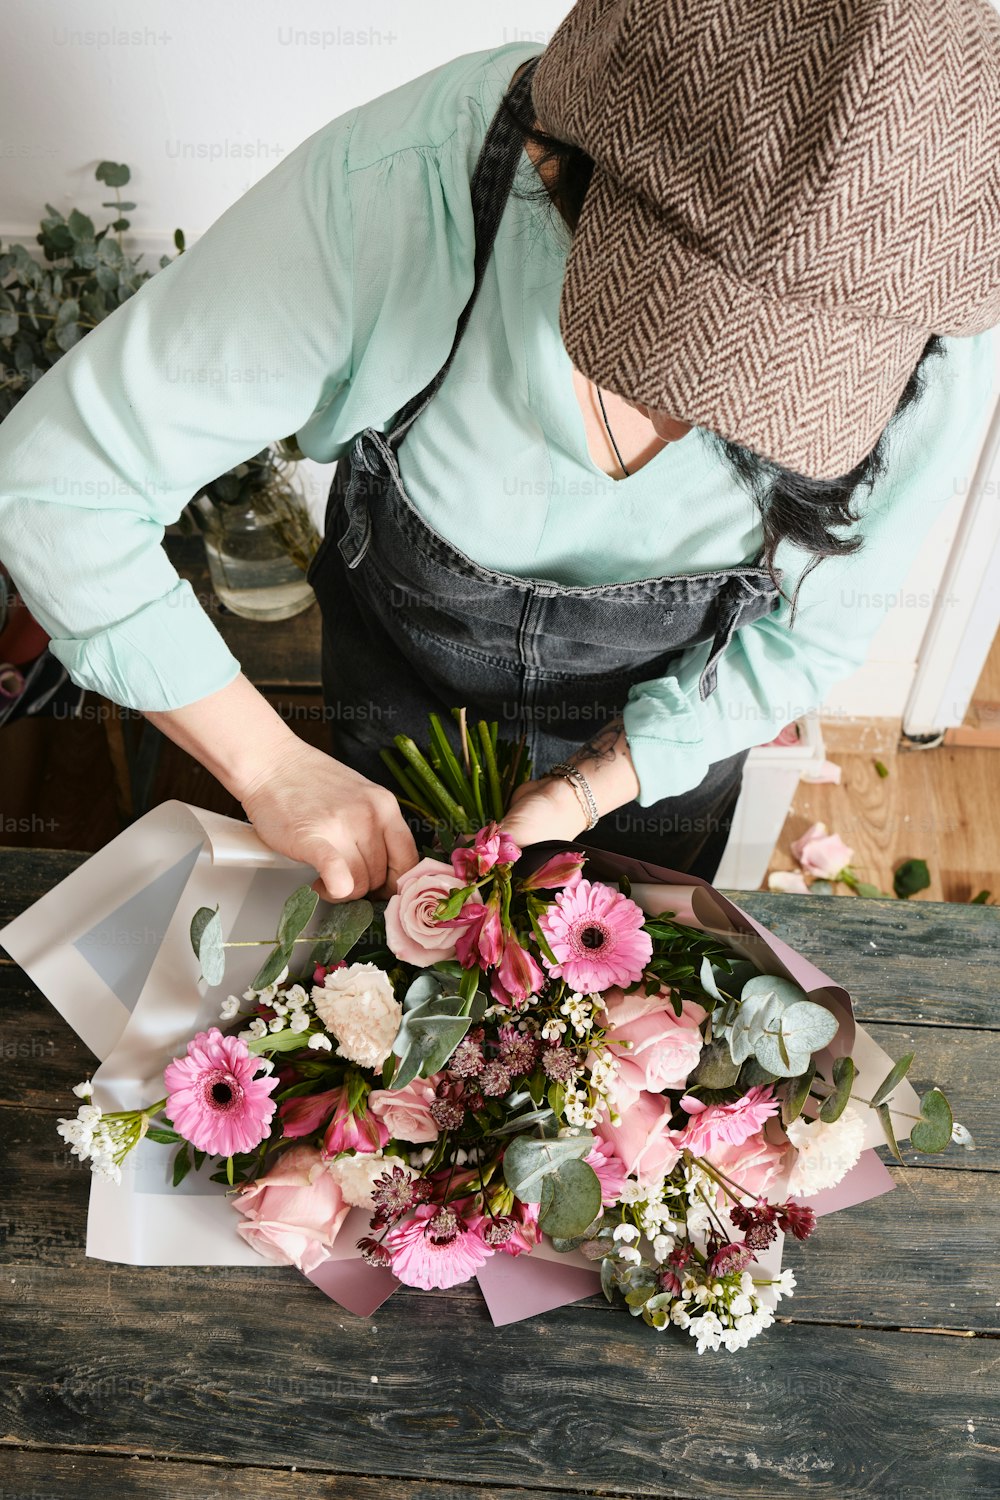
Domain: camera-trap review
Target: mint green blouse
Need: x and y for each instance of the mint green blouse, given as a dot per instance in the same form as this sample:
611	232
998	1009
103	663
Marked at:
316	305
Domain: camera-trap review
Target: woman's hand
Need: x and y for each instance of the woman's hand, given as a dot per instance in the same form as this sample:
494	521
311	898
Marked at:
315	809
545	809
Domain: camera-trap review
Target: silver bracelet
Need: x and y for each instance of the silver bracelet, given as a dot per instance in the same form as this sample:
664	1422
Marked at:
580	784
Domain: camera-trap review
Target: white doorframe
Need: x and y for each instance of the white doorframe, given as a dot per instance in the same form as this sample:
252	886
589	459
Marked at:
965	616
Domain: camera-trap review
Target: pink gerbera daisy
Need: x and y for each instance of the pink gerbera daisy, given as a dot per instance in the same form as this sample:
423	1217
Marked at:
597	938
711	1125
435	1247
213	1099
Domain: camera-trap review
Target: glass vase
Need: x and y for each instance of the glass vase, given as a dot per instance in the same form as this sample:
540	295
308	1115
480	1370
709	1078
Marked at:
258	548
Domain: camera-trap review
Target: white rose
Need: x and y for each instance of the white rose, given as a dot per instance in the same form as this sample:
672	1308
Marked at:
825	1153
357	1004
356	1175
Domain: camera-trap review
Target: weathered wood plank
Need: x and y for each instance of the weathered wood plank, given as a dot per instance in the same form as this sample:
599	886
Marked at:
925	962
939	1277
33	1474
42	1059
566	1401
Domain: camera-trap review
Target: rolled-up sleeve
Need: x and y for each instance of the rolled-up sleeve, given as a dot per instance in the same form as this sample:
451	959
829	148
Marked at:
772	673
233	345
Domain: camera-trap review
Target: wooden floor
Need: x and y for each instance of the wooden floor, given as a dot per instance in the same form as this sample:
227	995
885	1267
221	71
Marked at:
881	1380
941	805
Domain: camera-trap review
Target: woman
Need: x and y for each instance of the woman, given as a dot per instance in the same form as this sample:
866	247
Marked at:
755	272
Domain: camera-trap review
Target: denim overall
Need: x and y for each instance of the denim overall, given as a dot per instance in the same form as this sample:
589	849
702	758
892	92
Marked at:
411	625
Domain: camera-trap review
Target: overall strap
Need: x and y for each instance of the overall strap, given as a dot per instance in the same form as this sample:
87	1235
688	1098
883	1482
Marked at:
491	184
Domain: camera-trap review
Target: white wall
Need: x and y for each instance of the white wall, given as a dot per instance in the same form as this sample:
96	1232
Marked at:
201	98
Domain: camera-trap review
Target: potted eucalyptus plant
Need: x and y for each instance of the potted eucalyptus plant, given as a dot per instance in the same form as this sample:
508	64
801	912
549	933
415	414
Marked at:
259	537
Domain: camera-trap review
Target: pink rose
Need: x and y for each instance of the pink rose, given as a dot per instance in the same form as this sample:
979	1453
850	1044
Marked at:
665	1047
820	853
411	930
788	881
755	1164
294	1212
405	1113
644	1142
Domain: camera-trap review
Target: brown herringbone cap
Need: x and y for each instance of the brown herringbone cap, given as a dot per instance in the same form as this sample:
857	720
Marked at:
789	197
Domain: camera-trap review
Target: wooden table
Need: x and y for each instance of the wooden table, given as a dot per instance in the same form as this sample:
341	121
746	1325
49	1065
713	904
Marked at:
880	1381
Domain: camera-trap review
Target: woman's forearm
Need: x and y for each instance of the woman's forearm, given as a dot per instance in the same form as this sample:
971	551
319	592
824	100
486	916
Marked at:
234	733
606	762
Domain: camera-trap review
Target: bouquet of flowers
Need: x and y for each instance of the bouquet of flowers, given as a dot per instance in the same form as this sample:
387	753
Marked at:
509	1049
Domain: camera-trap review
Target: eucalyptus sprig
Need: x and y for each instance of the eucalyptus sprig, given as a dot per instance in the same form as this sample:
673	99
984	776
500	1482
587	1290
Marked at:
338	931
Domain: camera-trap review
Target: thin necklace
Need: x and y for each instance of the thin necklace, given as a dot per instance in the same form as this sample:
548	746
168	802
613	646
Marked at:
607	424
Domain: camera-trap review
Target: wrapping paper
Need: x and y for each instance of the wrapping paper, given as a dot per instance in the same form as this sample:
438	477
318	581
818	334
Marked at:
109	948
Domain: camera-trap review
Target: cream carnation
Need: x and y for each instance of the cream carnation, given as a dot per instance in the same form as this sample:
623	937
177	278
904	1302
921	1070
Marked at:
356	1175
357	1004
826	1153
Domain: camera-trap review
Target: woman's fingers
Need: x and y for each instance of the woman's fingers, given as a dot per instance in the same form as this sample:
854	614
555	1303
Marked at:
349	829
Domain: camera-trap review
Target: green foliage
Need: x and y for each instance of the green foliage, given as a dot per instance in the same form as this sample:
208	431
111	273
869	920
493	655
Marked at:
910	877
338	931
896	1072
428	1035
932	1132
45	309
458	788
834	1104
206	940
684	958
778	1026
551	1172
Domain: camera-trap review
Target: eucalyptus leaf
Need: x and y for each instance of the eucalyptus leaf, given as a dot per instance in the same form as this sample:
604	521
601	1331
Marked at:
897	1071
707	977
772	984
609	1278
571	1199
426	986
760	1012
521	1122
295	914
427	1037
805	1028
796	1096
833	1106
206	940
754	1075
271	968
932	1132
528	1160
338	931
882	1110
715	1068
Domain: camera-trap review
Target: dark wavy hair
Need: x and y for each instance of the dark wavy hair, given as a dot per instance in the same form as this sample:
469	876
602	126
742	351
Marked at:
806	512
